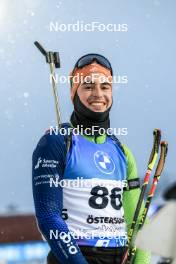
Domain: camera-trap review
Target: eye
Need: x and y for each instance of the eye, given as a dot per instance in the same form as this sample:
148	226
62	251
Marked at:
88	87
105	87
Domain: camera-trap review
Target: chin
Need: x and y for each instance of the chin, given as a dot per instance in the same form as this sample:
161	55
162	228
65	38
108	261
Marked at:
98	110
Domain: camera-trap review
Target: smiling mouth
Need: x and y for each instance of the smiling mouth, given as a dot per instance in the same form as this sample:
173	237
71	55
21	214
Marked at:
97	103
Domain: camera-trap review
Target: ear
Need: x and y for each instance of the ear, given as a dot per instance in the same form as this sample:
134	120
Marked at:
71	78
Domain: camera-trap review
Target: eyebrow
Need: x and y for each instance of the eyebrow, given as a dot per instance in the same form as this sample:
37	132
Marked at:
88	83
106	83
103	83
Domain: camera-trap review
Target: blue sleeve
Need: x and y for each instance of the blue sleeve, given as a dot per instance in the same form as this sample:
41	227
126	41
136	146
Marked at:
48	163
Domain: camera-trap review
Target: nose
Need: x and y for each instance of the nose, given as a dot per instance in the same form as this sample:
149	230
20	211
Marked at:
97	92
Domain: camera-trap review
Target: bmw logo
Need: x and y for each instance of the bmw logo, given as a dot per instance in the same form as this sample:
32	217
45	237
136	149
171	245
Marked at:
103	162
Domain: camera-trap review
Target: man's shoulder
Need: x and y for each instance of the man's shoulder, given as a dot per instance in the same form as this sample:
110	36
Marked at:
52	138
129	155
126	149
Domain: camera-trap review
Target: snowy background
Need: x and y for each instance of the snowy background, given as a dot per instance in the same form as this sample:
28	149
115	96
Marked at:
145	53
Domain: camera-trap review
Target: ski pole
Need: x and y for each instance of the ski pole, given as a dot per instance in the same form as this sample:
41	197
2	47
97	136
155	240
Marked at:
159	169
54	62
151	164
156	177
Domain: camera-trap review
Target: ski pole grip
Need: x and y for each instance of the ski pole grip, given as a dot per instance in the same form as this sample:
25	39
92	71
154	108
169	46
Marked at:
154	153
40	47
164	150
157	135
51	57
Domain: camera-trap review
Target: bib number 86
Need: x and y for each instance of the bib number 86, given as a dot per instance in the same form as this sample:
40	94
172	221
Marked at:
99	198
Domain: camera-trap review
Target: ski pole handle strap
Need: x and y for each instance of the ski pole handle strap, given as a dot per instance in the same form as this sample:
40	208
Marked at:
132	184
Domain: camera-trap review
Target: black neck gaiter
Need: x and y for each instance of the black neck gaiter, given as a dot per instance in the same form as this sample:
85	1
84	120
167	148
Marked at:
86	118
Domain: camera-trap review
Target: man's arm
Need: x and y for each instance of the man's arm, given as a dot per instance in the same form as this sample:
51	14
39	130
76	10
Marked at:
48	163
130	199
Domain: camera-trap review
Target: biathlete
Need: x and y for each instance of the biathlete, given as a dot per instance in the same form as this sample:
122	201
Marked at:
86	218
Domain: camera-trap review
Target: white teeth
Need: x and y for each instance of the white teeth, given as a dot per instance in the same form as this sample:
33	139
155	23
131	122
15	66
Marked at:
97	104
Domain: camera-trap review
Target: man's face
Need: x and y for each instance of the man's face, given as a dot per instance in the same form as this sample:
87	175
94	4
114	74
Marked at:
96	92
